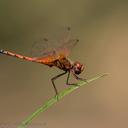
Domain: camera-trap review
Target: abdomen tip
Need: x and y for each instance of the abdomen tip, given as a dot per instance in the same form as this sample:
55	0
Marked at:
1	51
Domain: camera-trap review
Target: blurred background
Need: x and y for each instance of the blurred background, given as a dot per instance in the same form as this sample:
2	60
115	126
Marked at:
101	26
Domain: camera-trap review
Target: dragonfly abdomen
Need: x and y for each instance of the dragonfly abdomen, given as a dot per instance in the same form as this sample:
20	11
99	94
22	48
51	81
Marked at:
16	55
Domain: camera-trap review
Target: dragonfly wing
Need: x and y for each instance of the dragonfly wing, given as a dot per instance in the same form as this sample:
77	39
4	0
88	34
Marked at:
66	47
66	43
43	47
54	48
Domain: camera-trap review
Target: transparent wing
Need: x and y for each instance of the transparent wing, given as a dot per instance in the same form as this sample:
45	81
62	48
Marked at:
67	47
59	47
66	43
43	47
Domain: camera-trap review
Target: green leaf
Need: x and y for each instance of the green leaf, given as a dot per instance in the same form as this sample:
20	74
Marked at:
55	99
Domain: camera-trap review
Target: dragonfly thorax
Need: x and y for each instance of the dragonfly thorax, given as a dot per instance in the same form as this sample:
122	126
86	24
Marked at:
63	64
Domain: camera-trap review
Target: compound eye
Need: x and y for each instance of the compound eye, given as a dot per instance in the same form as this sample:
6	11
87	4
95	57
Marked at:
78	68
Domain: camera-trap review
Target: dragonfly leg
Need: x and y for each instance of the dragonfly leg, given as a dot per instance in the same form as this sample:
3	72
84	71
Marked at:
67	82
78	78
54	78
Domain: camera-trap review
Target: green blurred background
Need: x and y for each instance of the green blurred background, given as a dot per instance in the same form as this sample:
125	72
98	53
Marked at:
101	26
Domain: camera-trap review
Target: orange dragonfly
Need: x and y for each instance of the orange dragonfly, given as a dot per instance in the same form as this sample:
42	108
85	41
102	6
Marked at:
57	57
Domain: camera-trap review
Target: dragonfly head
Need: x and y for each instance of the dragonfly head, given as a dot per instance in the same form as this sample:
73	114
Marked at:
78	67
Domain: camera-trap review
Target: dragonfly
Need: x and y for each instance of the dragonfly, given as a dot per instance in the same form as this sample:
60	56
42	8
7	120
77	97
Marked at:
56	57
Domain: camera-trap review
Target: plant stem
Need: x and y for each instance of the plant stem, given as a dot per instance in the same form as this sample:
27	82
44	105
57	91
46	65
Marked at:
53	100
